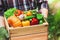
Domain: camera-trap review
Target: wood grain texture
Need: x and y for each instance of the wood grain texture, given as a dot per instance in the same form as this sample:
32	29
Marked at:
28	30
40	36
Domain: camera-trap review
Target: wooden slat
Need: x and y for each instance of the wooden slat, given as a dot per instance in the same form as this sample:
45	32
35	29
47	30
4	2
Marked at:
28	30
6	23
40	36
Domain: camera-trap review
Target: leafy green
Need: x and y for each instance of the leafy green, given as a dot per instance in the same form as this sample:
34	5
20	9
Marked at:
2	38
54	24
9	12
3	33
58	37
57	16
57	20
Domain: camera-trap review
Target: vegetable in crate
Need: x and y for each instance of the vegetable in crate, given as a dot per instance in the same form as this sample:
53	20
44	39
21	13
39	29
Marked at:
26	23
41	22
34	21
14	21
34	11
29	17
21	17
29	13
39	16
18	12
9	12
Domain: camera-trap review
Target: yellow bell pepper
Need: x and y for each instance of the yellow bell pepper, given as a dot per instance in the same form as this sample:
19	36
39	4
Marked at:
26	23
29	13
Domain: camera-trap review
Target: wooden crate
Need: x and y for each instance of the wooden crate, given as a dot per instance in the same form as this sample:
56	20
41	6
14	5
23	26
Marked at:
22	31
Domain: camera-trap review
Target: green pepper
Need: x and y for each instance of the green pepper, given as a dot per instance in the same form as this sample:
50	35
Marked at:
29	17
39	16
40	22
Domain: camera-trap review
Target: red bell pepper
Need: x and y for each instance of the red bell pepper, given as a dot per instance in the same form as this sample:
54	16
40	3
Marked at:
34	21
18	12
